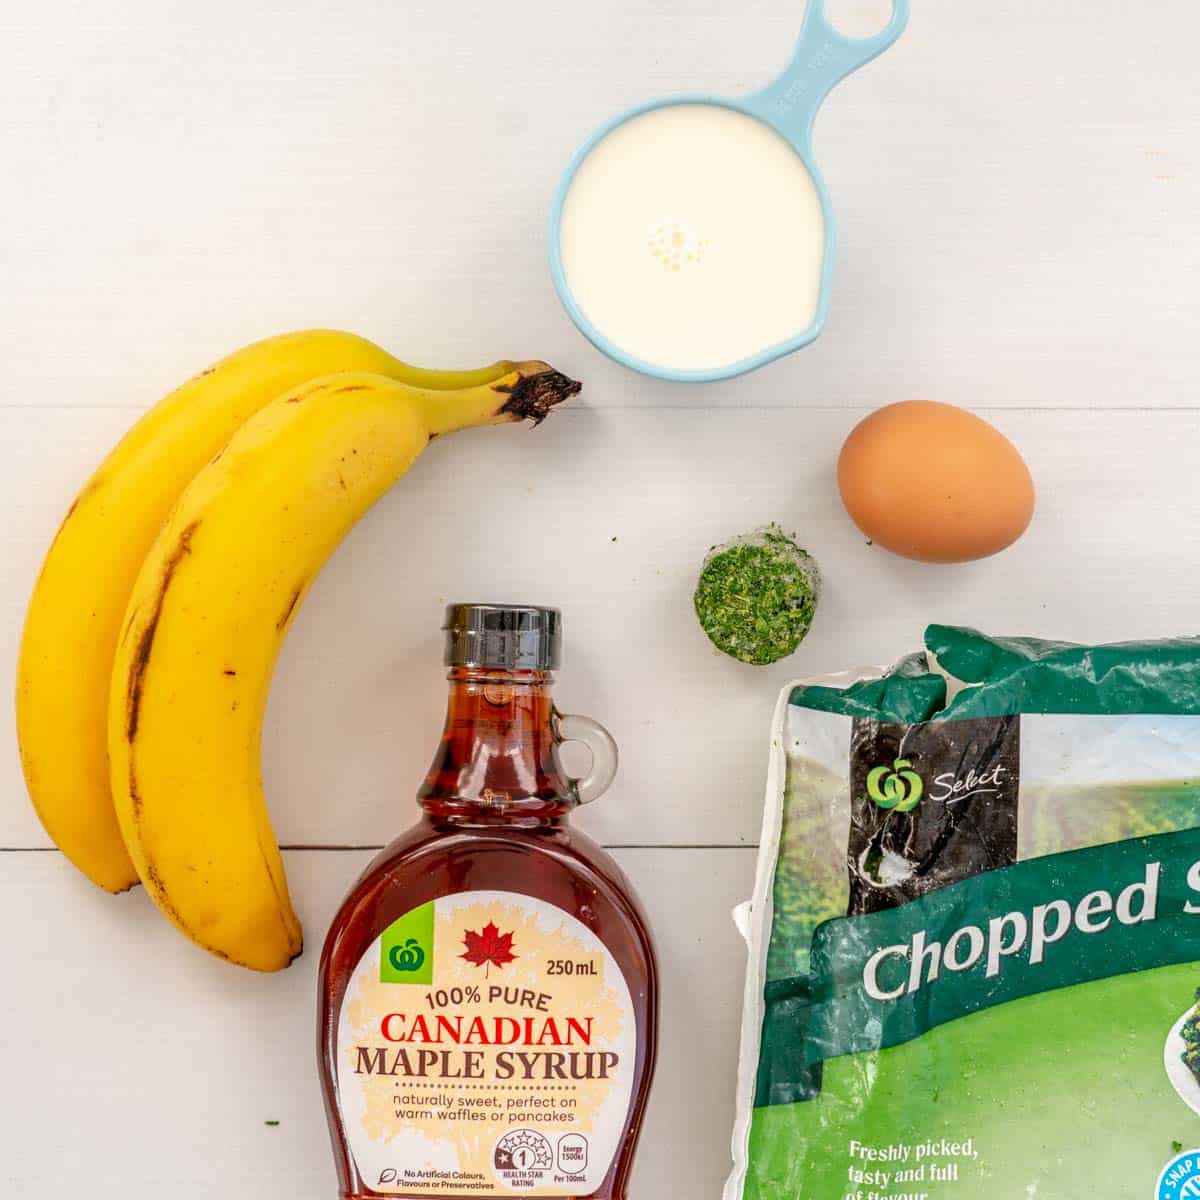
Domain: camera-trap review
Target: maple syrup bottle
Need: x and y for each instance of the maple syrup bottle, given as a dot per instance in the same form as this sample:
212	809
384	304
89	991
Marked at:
488	991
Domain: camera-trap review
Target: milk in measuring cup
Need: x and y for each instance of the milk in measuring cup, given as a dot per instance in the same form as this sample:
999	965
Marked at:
692	237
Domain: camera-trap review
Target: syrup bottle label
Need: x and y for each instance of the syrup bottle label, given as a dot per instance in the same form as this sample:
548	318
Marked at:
486	1046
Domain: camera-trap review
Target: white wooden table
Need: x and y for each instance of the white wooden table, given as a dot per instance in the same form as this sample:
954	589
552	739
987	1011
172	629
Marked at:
1017	189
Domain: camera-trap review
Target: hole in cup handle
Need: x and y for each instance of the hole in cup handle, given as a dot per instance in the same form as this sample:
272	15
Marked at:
569	727
859	22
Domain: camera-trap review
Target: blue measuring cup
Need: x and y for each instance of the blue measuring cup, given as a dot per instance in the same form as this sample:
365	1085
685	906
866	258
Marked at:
788	106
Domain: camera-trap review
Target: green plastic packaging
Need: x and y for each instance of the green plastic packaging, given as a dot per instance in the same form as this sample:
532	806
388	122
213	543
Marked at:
975	933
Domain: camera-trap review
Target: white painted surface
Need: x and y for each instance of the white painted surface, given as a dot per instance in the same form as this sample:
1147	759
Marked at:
1017	196
531	515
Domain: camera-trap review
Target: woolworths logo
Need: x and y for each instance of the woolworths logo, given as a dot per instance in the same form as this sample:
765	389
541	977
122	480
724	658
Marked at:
406	948
409	957
897	786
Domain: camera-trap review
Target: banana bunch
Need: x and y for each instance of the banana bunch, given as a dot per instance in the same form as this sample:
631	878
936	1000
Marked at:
164	600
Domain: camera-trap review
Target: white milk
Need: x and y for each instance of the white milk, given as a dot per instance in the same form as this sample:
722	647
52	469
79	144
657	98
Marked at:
692	237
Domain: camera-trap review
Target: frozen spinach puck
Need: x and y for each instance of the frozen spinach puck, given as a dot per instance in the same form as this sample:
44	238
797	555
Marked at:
756	596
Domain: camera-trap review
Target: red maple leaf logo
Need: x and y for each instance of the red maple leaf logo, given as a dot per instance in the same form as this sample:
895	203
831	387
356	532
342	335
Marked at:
488	948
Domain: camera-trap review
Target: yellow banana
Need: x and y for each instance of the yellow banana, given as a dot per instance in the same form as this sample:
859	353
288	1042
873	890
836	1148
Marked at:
83	590
209	612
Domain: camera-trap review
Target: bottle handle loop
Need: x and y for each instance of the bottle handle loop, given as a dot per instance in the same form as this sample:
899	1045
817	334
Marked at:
570	727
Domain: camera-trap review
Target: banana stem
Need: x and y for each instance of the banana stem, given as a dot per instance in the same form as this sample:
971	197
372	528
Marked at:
528	392
438	380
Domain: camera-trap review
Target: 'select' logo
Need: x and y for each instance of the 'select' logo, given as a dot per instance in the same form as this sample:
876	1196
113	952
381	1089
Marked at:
1180	1179
897	786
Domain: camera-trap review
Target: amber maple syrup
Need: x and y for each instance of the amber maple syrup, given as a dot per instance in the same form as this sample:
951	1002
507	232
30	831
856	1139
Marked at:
488	990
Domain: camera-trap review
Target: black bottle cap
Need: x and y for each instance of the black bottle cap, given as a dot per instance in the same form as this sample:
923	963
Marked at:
503	637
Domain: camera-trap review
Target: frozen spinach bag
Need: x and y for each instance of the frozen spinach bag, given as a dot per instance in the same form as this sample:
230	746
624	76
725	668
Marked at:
975	933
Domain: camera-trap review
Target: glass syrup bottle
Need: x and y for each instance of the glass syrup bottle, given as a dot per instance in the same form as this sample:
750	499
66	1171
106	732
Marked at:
488	996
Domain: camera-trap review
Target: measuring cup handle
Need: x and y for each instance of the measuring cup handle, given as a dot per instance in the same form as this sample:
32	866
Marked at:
568	727
823	58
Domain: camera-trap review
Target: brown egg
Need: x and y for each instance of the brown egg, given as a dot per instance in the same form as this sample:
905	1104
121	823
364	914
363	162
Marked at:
935	483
